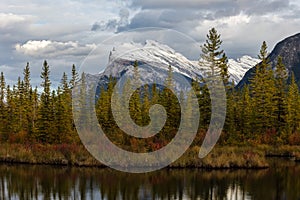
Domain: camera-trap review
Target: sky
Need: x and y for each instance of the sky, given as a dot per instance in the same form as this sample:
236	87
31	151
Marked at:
65	32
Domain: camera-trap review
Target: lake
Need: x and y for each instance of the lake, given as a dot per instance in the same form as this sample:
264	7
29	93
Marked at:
281	181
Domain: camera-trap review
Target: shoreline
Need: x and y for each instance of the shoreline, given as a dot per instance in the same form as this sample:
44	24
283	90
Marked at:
222	157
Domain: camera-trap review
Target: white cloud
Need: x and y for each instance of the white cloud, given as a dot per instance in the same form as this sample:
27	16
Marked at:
12	23
8	20
51	49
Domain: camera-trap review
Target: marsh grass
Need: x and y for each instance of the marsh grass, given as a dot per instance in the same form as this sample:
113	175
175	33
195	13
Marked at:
224	158
221	157
63	154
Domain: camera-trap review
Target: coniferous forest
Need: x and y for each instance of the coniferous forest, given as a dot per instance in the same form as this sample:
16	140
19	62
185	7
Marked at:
266	111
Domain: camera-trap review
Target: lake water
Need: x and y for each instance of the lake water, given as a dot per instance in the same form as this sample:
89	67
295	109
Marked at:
281	181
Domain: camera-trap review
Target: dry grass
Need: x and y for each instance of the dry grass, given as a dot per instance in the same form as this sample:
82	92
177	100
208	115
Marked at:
224	157
47	154
220	158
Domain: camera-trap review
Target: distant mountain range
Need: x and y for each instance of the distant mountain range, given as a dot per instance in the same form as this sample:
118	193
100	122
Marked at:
159	57
289	50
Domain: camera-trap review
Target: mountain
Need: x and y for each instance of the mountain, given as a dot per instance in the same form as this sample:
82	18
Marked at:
237	68
156	58
289	50
152	53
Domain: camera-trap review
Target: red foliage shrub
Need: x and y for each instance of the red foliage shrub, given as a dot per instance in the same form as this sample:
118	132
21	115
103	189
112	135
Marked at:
294	139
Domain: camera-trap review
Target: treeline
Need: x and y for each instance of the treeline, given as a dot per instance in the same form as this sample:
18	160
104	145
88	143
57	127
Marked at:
267	111
29	116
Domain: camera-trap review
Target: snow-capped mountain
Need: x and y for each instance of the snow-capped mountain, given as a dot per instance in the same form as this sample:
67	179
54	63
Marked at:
159	57
151	53
238	68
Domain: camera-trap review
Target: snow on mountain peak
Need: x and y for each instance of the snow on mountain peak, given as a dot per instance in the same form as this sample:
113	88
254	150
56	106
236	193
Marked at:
238	68
159	55
151	53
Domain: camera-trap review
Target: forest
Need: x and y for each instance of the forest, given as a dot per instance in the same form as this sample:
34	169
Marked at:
266	111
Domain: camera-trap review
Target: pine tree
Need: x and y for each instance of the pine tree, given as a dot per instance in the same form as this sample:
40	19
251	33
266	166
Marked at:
45	111
204	105
63	112
75	77
28	103
33	112
3	110
213	57
293	102
9	128
21	116
170	102
145	105
281	86
135	101
224	71
263	93
245	113
231	114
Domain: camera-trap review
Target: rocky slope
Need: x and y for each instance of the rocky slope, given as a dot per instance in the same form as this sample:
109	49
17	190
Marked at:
289	50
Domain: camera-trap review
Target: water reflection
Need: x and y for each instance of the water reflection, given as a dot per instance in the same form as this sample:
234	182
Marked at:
48	182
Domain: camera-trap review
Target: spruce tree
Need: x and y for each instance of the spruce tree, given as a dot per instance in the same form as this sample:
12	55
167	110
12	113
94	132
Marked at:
3	111
214	57
74	78
45	110
28	101
293	102
263	92
135	101
281	76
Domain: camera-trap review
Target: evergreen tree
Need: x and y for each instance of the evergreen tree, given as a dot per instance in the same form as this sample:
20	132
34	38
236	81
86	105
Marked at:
281	86
263	93
244	113
45	110
28	101
75	77
293	102
170	102
205	106
213	57
3	110
135	101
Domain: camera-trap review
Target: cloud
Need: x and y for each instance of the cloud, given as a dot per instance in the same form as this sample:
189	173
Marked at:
9	20
113	24
249	7
51	49
172	4
186	15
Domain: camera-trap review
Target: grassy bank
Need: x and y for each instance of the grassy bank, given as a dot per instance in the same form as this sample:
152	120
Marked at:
220	158
64	154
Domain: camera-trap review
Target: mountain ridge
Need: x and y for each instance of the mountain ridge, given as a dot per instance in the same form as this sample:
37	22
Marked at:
289	50
159	55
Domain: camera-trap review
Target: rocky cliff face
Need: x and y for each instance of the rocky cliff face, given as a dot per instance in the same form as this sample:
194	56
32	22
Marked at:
289	50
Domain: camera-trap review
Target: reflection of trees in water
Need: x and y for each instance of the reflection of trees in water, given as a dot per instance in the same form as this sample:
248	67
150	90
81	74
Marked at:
47	182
